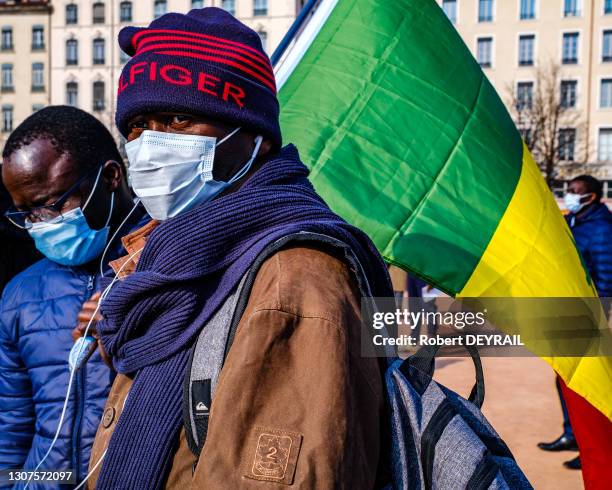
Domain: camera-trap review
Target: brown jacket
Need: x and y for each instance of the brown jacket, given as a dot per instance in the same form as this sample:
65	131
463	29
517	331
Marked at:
296	404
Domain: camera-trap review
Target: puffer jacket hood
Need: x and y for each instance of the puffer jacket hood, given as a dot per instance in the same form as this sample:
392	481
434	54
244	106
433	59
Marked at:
38	312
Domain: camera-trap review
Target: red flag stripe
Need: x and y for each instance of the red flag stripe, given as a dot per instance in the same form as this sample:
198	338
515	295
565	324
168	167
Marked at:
157	47
263	63
138	35
188	54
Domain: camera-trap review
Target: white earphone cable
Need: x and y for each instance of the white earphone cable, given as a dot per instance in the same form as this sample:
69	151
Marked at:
73	370
136	203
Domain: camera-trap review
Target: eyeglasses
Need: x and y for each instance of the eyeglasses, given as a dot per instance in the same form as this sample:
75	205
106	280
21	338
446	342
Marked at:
50	212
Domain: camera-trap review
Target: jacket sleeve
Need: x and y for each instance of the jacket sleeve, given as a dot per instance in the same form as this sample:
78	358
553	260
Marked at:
600	259
16	405
296	403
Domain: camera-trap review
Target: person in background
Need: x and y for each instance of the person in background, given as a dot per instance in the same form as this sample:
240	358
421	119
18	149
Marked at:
67	182
17	250
590	222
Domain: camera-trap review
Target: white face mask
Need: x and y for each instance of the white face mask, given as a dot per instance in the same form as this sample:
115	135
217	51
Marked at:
172	173
572	202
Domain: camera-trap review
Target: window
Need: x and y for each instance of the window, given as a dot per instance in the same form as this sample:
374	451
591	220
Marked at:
123	57
7	118
526	43
450	9
72	93
484	51
38	37
607	46
7	78
260	7
229	5
607	6
160	7
37	107
98	96
568	93
197	4
38	77
72	52
605	101
98	13
567	144
125	11
72	14
604	149
570	48
571	8
263	35
527	9
524	95
485	10
7	39
98	52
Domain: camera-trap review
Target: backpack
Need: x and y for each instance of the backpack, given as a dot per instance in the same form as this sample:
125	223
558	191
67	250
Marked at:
436	439
448	436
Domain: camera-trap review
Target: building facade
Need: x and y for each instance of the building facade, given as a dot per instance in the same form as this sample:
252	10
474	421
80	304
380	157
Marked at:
24	61
86	60
512	39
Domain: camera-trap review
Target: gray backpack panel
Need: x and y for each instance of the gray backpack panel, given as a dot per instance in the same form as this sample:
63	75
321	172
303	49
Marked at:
439	439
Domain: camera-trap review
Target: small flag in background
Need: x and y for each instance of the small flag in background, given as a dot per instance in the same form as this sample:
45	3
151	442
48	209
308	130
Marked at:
408	140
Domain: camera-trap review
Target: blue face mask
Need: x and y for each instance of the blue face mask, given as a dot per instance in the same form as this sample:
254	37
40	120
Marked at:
68	239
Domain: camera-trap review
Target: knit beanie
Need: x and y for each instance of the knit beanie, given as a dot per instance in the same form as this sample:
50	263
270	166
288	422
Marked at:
204	63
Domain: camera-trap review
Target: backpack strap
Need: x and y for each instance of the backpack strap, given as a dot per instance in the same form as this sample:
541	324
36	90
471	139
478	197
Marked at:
217	336
419	369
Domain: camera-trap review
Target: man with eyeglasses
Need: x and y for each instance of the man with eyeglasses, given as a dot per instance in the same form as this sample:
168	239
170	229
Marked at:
67	182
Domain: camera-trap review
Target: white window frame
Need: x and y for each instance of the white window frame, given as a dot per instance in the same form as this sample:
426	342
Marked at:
599	129
485	36
536	11
518	49
533	88
565	128
572	79
456	12
11	72
41	73
578	46
580	7
600	93
601	44
493	13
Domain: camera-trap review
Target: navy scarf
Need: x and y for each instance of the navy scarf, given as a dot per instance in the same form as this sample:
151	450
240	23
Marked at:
189	266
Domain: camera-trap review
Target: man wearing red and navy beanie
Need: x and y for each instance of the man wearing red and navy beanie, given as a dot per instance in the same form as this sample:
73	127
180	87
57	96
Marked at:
293	402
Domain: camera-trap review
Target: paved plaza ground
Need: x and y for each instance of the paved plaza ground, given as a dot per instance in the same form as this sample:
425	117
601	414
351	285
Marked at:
521	402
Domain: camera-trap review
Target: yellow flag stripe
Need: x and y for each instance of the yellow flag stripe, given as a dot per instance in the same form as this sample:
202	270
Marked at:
532	254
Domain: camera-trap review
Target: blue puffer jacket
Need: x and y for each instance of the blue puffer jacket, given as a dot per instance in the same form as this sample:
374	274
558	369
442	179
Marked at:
593	234
38	312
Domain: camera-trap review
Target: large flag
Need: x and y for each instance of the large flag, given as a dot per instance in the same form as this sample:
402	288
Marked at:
407	139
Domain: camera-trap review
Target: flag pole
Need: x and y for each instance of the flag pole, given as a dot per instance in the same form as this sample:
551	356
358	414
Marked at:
293	30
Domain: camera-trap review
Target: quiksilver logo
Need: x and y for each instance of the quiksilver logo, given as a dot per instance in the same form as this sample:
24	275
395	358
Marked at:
201	407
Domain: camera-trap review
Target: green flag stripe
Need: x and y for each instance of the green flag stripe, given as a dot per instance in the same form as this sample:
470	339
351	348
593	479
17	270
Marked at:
404	136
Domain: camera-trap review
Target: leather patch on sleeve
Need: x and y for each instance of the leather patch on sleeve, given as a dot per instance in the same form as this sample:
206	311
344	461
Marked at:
272	455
